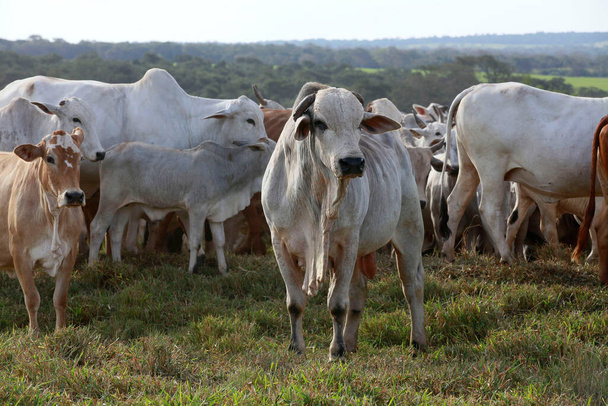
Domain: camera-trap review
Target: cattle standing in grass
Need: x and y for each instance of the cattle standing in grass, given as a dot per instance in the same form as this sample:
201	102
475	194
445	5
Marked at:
210	182
332	194
526	201
515	132
599	152
41	216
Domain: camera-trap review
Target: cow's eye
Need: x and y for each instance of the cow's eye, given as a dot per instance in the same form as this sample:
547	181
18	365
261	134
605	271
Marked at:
438	133
320	125
50	160
251	121
76	120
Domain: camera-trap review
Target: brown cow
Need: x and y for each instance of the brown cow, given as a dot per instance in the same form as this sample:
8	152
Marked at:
41	216
599	149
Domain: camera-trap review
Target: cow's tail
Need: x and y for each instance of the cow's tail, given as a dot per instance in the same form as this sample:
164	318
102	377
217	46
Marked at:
444	217
583	232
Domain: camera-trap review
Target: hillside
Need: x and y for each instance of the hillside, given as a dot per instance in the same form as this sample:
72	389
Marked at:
567	42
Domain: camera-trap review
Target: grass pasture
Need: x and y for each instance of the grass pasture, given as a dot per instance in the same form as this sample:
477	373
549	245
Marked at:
580	81
146	332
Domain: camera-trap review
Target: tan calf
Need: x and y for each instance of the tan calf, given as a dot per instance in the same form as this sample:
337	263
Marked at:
41	216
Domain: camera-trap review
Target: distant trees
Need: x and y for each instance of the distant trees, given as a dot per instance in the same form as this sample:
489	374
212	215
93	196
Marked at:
439	81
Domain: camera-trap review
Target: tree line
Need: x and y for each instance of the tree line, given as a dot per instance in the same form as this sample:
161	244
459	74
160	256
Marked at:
437	82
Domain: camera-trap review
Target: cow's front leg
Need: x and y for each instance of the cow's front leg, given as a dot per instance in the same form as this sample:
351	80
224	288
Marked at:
337	300
356	302
296	300
62	283
195	226
25	274
219	239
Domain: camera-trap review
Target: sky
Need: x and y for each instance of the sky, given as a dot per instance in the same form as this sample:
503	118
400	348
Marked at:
233	21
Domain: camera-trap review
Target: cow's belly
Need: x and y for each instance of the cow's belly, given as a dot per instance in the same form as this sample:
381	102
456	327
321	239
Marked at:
567	184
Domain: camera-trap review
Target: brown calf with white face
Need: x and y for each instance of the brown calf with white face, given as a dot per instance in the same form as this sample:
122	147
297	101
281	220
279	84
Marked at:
599	151
41	216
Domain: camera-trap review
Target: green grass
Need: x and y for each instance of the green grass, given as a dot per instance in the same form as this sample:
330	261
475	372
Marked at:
146	332
580	81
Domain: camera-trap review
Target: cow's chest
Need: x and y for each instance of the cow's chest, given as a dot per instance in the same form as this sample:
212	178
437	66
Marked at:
49	257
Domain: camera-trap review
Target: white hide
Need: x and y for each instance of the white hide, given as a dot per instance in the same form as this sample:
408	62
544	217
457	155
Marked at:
207	182
155	110
515	132
21	122
321	222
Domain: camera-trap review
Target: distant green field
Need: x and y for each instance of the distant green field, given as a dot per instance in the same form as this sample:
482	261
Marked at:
580	81
575	81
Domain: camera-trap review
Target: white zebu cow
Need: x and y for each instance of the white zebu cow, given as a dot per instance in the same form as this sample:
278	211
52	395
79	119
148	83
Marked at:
332	194
25	122
433	112
210	182
41	216
415	131
155	110
515	132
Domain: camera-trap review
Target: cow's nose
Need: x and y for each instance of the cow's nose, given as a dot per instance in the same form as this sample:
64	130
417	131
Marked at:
74	198
422	204
100	155
352	166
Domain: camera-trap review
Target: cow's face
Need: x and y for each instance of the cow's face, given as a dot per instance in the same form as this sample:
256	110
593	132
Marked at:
74	112
432	134
60	173
242	122
335	120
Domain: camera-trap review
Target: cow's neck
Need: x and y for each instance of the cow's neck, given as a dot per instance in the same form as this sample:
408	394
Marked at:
49	200
326	196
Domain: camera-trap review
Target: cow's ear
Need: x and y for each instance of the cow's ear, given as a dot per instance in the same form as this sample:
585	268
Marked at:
47	108
29	152
218	115
415	133
78	136
377	124
221	114
302	127
419	109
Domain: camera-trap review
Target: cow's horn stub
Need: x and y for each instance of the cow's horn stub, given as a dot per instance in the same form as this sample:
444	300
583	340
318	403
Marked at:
419	121
304	105
359	97
259	96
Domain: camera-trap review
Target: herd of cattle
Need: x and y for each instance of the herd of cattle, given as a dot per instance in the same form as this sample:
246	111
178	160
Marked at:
333	180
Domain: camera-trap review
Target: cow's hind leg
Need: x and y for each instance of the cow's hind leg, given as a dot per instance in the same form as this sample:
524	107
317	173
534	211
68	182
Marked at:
601	230
457	202
296	300
518	216
493	216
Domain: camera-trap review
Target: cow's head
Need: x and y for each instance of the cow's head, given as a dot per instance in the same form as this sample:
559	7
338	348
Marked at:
241	121
60	171
335	119
433	133
74	112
